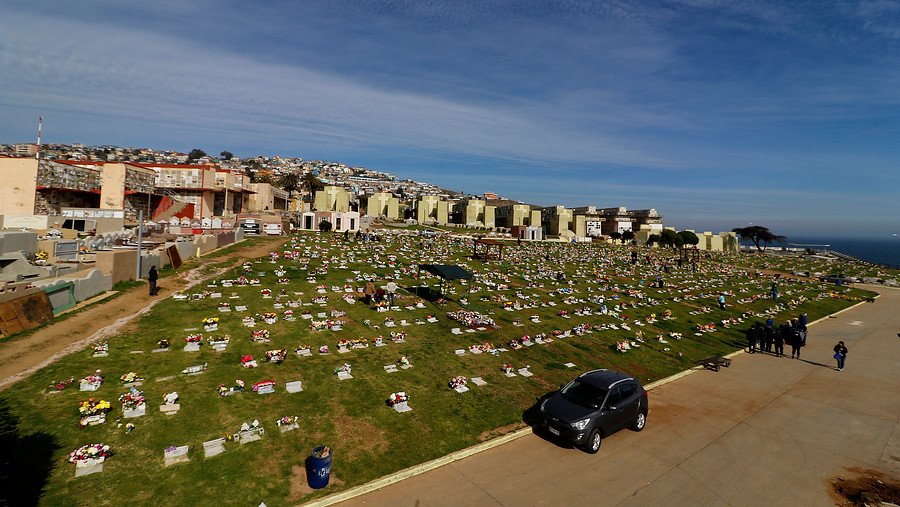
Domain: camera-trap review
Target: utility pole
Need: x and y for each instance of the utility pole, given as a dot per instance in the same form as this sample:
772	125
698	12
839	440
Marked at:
137	276
40	126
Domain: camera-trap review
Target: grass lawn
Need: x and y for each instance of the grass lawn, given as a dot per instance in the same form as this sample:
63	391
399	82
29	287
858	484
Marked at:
369	439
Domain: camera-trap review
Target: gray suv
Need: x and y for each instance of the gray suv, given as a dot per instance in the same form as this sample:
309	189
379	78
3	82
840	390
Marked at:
594	406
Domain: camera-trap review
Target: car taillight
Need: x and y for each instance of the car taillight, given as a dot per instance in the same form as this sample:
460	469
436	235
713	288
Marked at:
645	394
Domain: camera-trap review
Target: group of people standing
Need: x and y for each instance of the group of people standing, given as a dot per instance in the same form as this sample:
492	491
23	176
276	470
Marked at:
767	336
388	293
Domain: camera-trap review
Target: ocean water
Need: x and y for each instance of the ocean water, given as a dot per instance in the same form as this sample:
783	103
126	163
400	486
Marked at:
881	250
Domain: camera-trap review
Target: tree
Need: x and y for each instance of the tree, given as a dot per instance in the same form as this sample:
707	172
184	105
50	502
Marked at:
627	236
653	239
758	234
615	235
195	154
311	183
667	238
290	182
689	238
325	226
226	155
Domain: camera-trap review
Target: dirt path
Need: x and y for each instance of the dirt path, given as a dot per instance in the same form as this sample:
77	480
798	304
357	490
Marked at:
21	357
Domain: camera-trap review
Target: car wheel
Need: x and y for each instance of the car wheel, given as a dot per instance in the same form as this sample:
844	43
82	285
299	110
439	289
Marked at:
593	442
640	421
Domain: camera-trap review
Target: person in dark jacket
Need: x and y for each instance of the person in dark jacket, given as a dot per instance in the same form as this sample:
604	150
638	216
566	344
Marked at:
152	277
768	336
752	338
782	335
840	353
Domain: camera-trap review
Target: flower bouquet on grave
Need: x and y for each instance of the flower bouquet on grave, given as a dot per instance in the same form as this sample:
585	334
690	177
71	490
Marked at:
266	293
224	306
179	296
535	318
336	314
344	368
360	343
459	381
287	421
170	398
343	345
101	348
260	336
506	368
194	338
389	322
276	356
398	336
263	384
526	340
431	318
238	387
131	377
323	349
367	322
302	350
270	317
284	281
378	341
564	314
580	329
243	280
90	454
396	398
318	325
94	380
321	289
320	300
194	369
132	400
289	315
163	344
62	384
211	323
93	412
381	306
254	281
403	361
514	344
247	361
280	271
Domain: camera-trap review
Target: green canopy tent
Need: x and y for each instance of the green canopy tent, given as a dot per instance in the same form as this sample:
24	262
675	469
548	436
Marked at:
444	272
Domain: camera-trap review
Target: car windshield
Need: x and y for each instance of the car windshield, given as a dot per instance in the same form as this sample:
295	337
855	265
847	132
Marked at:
583	394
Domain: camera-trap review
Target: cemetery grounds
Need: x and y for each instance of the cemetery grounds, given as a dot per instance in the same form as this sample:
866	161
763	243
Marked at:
310	286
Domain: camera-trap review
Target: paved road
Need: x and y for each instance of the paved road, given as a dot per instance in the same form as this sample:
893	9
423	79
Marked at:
766	431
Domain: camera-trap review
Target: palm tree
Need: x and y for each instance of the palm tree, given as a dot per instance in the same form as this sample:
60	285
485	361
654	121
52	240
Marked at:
758	234
311	183
290	183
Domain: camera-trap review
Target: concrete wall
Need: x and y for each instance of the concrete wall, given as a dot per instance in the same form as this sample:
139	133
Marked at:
17	193
112	186
18	241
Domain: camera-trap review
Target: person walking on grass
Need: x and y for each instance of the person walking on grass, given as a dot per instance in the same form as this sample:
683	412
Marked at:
391	289
369	291
152	277
840	353
721	301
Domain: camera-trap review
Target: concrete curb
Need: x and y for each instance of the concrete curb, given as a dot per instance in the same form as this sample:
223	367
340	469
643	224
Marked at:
490	444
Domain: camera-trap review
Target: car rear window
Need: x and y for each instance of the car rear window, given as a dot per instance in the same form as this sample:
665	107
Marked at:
628	389
582	393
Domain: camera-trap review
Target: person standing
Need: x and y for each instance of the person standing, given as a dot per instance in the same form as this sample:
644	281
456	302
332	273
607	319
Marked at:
774	291
391	289
369	291
768	336
152	277
721	301
782	335
752	333
840	353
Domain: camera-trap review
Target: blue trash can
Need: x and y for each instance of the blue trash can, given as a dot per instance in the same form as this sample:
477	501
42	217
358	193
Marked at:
318	467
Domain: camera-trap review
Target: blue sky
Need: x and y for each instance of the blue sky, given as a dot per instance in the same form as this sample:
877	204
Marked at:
718	114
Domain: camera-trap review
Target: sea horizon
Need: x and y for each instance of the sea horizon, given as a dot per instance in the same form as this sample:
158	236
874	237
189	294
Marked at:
879	250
